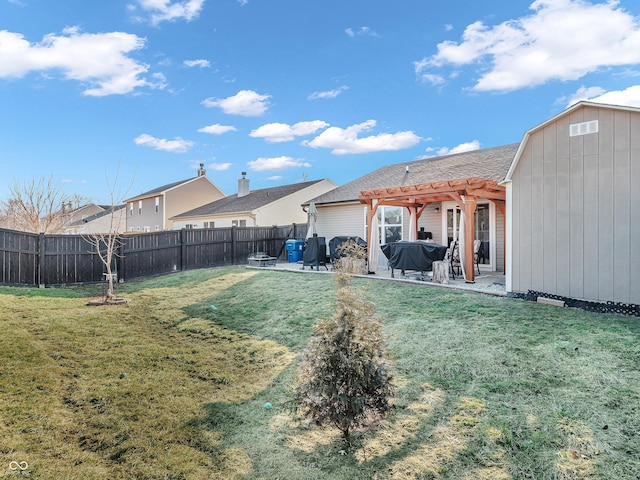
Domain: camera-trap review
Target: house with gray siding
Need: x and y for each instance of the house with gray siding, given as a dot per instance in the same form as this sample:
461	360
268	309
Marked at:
153	210
566	224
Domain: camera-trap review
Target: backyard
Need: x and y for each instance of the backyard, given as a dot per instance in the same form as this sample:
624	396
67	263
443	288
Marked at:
174	384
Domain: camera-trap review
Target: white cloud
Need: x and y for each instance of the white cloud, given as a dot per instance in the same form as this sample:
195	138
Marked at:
462	148
275	177
328	94
629	97
197	63
281	132
174	146
561	40
365	31
346	140
243	2
245	102
98	60
276	164
220	167
166	10
217	129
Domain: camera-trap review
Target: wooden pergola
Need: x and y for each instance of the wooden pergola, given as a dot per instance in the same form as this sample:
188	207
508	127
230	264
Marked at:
466	192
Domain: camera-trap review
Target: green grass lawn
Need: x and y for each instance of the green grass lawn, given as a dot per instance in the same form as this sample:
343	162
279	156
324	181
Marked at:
173	384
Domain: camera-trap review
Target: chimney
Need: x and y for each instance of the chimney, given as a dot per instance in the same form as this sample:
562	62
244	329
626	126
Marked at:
243	185
201	171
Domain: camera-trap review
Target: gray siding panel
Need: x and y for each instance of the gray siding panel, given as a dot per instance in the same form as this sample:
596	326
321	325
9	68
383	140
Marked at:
606	228
576	238
622	227
548	204
591	227
536	214
563	228
634	224
523	256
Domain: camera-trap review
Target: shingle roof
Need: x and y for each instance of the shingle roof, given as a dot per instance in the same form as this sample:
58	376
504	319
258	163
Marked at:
107	211
490	163
248	203
161	189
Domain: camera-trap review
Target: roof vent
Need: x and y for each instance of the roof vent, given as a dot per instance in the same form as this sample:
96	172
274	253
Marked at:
584	128
201	171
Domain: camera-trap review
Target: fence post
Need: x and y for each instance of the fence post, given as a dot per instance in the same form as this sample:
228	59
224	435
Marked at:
183	249
120	259
233	244
41	254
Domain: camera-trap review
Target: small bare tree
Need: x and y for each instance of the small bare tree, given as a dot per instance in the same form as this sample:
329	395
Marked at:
107	243
38	206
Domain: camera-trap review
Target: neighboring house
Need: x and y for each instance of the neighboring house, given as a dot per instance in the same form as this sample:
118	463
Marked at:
341	211
573	206
153	210
73	215
264	207
101	222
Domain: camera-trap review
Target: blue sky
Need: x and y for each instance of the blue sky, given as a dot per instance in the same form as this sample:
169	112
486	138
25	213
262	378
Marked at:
289	90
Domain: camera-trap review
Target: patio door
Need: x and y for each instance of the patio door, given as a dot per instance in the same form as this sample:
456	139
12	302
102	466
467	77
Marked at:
484	229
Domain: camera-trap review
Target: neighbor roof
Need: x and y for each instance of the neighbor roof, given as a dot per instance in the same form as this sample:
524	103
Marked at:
248	203
488	163
107	211
162	189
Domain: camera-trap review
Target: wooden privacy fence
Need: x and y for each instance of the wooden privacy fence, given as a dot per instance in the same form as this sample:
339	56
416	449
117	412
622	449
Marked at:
32	259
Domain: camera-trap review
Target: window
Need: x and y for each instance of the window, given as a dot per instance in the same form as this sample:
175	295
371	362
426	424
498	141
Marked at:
140	207
390	223
157	228
147	228
131	209
209	224
157	204
238	223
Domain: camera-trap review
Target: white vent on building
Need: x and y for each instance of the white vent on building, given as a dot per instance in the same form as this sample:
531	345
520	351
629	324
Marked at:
583	128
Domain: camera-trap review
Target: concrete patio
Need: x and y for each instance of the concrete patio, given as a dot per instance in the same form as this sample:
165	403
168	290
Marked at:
492	283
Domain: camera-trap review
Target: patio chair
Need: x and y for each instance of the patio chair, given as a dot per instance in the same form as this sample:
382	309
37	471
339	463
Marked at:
476	253
452	257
